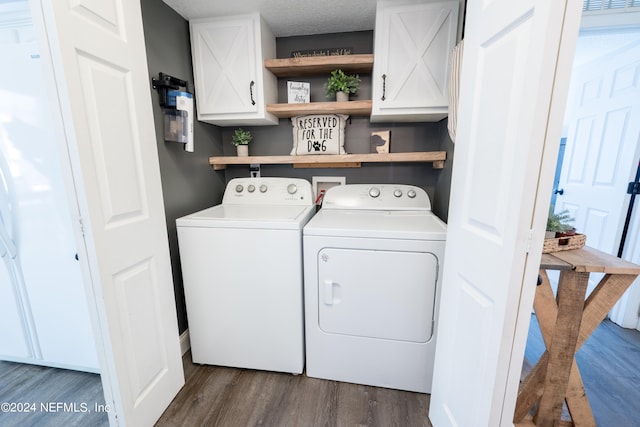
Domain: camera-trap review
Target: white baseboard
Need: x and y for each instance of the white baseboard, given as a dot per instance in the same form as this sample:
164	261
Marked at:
185	342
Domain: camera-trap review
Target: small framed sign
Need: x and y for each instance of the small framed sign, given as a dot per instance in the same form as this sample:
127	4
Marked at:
298	92
380	141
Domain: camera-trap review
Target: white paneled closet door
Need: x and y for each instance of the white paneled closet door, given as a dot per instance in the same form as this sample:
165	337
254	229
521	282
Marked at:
97	55
507	142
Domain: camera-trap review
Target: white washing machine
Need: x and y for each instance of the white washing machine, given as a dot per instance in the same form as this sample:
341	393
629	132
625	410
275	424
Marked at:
373	268
242	272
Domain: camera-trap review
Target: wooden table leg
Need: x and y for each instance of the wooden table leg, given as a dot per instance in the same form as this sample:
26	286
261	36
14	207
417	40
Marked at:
577	401
596	307
546	312
546	309
572	289
601	301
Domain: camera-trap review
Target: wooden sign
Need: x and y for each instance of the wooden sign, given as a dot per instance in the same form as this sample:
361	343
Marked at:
334	51
380	141
298	92
318	134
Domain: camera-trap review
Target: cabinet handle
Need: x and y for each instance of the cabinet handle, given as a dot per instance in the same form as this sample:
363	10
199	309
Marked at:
384	87
253	102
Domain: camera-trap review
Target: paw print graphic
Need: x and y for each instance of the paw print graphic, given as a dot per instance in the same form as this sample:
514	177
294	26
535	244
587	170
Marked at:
316	146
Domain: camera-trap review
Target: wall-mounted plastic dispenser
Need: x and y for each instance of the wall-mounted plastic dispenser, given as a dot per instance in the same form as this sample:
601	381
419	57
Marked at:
178	109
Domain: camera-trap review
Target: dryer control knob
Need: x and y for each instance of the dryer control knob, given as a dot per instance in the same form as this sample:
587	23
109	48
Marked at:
263	188
239	188
374	192
411	194
251	188
397	192
292	188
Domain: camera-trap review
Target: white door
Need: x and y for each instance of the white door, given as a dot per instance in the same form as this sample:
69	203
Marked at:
506	148
99	62
602	155
602	146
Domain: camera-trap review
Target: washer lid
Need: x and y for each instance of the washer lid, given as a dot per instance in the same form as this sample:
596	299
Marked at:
408	225
248	216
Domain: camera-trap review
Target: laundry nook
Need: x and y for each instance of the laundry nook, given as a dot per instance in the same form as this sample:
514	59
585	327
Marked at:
301	213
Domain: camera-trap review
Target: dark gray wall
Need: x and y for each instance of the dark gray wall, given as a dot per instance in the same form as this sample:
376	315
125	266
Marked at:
277	140
189	184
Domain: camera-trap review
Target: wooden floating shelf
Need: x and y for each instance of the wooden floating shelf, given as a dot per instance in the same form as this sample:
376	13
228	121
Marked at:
307	66
334	161
351	108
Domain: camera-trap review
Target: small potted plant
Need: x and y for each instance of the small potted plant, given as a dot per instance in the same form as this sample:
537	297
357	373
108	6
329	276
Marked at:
342	85
558	224
241	139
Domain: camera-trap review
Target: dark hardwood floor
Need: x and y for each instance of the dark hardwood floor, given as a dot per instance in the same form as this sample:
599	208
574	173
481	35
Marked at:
226	397
609	363
49	397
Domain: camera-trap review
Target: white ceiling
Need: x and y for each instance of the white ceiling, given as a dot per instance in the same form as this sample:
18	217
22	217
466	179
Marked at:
289	17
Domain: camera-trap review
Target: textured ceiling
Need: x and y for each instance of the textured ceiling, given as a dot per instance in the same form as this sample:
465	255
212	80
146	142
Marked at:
289	17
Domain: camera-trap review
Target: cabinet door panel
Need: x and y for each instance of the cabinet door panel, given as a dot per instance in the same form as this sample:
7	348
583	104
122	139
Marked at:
412	45
224	69
232	85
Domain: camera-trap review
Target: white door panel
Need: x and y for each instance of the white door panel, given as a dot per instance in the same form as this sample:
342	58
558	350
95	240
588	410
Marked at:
377	294
99	60
508	71
602	146
413	39
222	49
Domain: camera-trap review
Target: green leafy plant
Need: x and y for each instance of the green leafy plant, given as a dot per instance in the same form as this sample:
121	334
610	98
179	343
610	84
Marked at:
241	137
559	222
341	82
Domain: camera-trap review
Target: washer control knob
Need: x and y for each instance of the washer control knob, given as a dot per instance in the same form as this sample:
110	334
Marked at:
251	188
411	194
263	188
397	192
239	188
292	188
374	192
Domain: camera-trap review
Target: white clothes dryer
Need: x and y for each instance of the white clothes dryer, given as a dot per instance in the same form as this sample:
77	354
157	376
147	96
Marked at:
242	272
373	268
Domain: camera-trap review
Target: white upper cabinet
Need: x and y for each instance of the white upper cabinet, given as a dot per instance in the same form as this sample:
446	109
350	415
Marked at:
231	84
411	68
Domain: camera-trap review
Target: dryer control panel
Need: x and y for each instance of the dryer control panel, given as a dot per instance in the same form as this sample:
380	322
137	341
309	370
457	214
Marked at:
377	196
268	191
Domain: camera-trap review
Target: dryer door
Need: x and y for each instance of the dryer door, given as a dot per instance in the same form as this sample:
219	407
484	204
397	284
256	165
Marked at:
377	293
